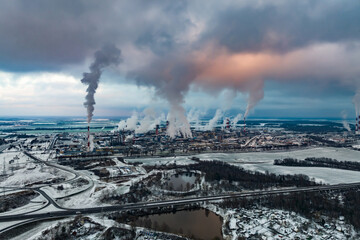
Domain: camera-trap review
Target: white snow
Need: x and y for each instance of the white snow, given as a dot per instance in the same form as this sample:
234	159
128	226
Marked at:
35	204
263	161
24	177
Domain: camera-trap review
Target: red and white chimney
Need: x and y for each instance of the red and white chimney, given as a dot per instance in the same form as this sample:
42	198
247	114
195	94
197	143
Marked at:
157	129
228	123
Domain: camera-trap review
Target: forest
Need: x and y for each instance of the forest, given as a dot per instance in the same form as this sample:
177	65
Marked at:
216	171
318	162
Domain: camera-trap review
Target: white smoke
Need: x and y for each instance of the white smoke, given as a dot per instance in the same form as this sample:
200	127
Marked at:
129	138
178	123
344	122
213	122
236	119
194	117
255	95
147	123
150	120
91	140
129	124
121	125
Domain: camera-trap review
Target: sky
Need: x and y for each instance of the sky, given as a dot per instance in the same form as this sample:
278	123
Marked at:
261	58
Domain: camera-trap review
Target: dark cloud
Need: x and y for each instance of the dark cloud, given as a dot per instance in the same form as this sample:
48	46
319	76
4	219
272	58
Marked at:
286	25
173	44
43	35
159	42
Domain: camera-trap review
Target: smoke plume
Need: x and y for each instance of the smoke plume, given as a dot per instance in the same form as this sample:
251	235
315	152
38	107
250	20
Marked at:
193	117
213	122
344	122
236	119
149	121
130	123
91	140
108	55
178	123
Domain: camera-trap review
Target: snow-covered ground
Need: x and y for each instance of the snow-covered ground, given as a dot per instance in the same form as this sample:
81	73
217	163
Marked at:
36	232
68	188
25	176
34	205
341	154
179	160
278	224
263	161
324	175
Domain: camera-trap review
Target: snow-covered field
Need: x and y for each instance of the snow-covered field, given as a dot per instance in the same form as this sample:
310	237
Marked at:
26	176
263	161
341	154
180	160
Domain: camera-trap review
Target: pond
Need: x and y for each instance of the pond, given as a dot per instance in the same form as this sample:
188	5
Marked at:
181	182
195	224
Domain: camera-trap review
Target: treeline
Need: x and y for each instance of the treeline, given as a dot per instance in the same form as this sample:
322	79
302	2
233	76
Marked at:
16	200
216	171
316	127
88	164
312	205
318	162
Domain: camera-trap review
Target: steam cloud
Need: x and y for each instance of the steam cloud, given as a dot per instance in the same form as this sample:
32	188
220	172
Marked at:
344	122
108	55
150	120
213	122
193	117
142	125
91	140
236	119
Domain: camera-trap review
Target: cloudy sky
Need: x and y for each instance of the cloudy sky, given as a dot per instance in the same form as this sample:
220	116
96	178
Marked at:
265	58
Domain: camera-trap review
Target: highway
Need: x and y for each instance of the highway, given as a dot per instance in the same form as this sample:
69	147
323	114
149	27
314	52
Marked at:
175	202
77	175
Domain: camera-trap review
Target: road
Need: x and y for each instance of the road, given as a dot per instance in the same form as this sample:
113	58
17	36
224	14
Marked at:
175	202
52	143
77	175
50	200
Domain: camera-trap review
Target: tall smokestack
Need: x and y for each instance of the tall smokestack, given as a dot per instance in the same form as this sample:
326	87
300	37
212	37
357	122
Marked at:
228	123
157	129
88	139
